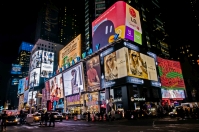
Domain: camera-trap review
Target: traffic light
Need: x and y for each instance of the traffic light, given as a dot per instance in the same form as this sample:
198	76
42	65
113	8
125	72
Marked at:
198	62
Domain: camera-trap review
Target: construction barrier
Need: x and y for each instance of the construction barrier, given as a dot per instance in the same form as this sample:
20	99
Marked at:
104	117
100	118
93	118
66	117
75	118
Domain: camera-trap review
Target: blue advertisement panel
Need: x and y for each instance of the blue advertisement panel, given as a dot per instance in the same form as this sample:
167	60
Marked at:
23	85
16	69
26	96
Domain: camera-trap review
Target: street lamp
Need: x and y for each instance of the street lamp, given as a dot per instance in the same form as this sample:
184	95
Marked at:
34	81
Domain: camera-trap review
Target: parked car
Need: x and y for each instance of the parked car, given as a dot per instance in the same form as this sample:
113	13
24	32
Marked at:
13	120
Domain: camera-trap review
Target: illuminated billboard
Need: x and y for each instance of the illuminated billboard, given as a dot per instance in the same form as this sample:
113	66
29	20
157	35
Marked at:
73	80
93	71
26	96
23	85
15	81
56	88
172	94
120	19
70	51
47	64
34	78
170	74
36	60
31	98
47	87
16	69
128	65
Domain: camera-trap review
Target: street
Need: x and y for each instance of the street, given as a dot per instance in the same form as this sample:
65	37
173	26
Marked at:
116	126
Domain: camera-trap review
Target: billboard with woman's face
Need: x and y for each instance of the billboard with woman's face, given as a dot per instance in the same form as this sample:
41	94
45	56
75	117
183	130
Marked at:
73	80
56	88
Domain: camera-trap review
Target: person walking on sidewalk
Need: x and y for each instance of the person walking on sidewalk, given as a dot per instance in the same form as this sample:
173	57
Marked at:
52	119
46	118
3	122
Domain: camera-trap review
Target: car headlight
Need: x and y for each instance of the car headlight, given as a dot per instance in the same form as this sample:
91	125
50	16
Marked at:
55	116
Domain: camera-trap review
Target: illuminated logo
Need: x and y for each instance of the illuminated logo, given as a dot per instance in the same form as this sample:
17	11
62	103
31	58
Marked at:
132	12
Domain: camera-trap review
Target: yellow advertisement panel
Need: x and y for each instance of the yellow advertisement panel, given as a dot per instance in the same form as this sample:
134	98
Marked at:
70	51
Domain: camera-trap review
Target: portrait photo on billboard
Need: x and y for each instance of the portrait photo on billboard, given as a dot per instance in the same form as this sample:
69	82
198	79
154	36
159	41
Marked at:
93	72
48	57
172	94
170	73
115	65
46	70
36	60
47	87
34	78
141	66
16	69
73	80
56	88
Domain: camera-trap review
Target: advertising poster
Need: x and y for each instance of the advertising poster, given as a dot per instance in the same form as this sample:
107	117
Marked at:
170	73
16	69
26	96
56	88
43	95
21	102
32	99
72	100
93	73
47	64
73	80
92	101
172	94
47	87
23	85
120	19
70	51
115	65
36	60
141	66
34	78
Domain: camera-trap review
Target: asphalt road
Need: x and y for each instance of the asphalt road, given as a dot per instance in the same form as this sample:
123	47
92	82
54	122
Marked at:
116	126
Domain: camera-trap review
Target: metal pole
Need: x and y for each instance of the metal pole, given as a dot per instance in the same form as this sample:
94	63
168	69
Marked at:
32	93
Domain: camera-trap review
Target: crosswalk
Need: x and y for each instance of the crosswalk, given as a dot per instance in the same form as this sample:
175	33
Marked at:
21	127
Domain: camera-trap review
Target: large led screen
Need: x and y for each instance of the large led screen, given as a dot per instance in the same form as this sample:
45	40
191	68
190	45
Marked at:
93	73
34	78
26	96
73	80
170	73
47	64
36	60
16	69
56	88
120	19
129	62
15	81
70	51
172	94
23	85
31	98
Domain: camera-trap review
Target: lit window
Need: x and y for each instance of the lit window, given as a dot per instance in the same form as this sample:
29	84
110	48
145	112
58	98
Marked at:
190	54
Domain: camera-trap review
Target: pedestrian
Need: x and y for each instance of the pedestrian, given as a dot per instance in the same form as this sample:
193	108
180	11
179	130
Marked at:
46	118
52	119
3	122
42	118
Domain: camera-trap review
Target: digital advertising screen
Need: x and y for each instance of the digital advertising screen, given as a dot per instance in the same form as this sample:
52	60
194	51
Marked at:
172	94
73	80
127	63
15	81
56	88
34	78
47	64
31	99
23	85
44	99
26	96
93	71
121	19
70	51
47	87
16	69
170	74
36	59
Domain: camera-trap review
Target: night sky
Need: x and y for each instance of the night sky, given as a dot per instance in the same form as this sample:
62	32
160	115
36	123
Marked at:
18	22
